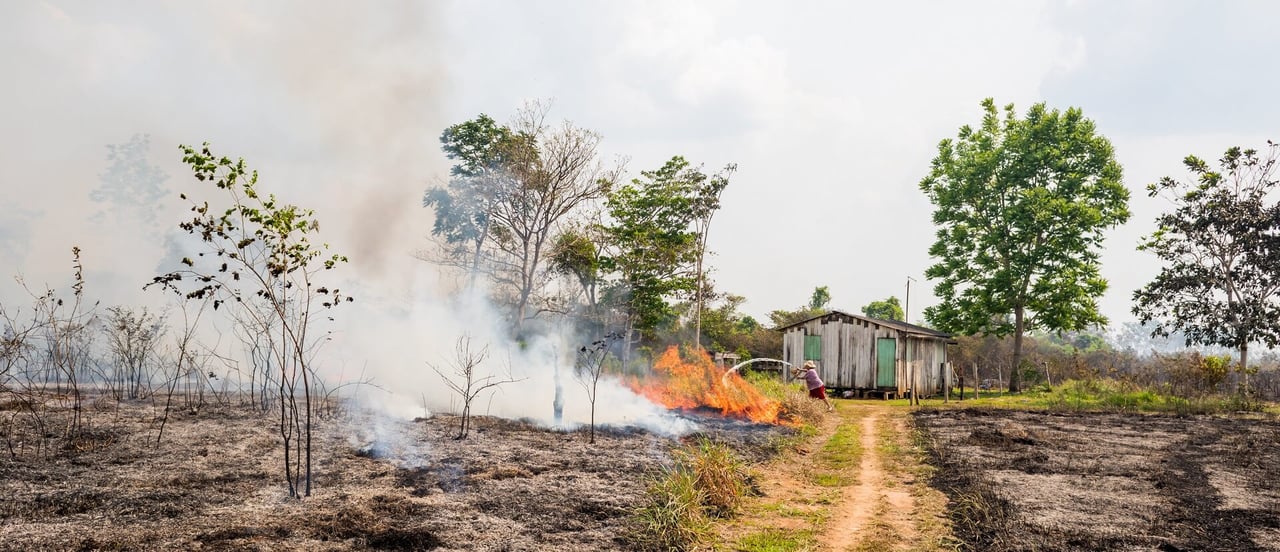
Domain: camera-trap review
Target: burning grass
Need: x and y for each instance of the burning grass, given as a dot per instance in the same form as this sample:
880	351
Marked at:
681	383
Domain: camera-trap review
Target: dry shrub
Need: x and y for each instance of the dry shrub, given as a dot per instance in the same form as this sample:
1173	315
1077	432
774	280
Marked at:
799	408
720	475
672	517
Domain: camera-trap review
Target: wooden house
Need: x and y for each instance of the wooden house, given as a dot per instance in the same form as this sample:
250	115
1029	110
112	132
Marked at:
869	355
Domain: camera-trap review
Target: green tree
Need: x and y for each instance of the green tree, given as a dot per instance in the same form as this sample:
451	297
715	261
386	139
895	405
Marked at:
1021	205
513	188
888	309
258	252
1220	283
820	298
653	244
478	180
818	301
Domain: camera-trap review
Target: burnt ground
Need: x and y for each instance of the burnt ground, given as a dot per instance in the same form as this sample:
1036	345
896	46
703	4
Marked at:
215	483
1047	481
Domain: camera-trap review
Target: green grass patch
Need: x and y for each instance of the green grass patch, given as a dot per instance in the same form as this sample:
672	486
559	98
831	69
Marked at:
707	481
777	540
769	384
838	460
1116	396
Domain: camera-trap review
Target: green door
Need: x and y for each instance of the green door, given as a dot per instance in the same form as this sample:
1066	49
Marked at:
886	350
813	347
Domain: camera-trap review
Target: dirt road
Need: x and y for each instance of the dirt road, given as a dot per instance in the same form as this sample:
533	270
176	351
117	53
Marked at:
881	511
859	485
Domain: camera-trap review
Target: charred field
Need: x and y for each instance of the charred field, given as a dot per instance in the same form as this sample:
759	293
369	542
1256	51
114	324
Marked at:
215	482
1020	480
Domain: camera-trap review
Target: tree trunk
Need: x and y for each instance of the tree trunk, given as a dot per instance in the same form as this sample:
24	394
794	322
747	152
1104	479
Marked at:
1018	328
1244	366
697	313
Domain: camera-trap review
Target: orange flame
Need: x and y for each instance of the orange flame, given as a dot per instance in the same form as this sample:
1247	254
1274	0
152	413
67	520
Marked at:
678	384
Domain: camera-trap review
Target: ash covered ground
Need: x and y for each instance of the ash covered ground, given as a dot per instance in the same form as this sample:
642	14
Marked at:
1102	481
215	482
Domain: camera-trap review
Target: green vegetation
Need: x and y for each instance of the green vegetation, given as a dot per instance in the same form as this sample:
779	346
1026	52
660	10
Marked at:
777	540
1219	248
1022	205
1113	395
797	407
839	457
888	309
707	481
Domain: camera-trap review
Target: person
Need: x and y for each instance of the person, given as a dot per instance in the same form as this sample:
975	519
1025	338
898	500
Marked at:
814	383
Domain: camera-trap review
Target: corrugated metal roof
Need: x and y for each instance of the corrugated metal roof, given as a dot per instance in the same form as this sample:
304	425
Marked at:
895	324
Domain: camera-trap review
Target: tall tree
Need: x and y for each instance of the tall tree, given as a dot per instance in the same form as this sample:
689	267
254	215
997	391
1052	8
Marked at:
1021	205
706	204
552	179
510	191
888	309
1220	283
653	247
463	209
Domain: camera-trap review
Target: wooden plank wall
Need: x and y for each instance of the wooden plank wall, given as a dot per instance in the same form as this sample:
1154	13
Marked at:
829	366
849	354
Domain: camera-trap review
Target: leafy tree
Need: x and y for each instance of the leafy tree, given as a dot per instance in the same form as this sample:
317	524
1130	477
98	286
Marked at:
259	253
512	189
463	209
724	328
576	253
820	298
888	309
817	304
653	246
1220	283
1021	205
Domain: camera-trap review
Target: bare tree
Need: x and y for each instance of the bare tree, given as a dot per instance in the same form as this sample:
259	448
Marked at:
706	204
467	380
513	188
588	369
132	338
559	172
183	360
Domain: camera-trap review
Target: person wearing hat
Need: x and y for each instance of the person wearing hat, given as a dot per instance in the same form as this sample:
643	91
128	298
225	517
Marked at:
816	388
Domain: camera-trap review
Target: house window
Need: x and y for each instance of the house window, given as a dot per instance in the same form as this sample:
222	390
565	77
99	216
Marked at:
813	347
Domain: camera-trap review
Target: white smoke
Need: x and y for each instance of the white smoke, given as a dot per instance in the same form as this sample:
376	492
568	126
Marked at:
337	104
419	327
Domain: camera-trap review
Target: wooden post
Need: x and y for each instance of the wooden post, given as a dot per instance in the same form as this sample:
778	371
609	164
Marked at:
975	381
946	383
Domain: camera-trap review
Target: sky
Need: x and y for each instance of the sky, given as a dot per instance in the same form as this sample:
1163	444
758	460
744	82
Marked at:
831	111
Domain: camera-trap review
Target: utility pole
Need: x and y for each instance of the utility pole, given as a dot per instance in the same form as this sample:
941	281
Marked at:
906	310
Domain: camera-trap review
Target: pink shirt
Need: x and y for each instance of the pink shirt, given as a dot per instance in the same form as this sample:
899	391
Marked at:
811	379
